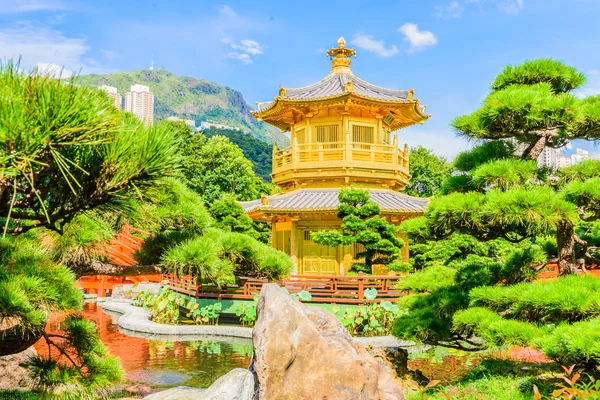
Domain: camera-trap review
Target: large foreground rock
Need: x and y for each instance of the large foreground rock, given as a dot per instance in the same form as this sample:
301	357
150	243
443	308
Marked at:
304	352
12	374
238	384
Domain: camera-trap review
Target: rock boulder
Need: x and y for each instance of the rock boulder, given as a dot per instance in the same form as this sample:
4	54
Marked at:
304	352
237	384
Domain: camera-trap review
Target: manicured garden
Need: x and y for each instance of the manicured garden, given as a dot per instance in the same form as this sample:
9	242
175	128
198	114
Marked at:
74	170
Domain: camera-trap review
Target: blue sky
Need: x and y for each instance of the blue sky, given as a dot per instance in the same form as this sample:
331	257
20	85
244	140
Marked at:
447	50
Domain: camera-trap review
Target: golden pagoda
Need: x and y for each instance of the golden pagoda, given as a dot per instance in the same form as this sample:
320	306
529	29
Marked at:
341	135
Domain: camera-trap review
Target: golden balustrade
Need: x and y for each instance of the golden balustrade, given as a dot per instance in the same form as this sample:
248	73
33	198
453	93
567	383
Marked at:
295	161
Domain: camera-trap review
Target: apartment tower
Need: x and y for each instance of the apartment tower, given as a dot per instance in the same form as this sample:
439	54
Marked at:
112	92
140	102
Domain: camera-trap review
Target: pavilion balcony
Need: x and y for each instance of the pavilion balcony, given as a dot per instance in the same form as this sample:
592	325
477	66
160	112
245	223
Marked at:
313	164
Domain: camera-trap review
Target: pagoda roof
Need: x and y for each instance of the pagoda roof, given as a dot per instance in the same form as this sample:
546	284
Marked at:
335	85
320	200
342	88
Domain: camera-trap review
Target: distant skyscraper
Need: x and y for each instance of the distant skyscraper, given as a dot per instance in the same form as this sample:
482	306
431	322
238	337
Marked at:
140	102
112	92
579	156
548	158
563	161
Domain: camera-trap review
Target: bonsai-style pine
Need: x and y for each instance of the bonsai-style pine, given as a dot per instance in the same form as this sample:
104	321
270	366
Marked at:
363	225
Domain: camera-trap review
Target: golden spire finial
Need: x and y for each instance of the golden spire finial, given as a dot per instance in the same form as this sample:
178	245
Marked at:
340	57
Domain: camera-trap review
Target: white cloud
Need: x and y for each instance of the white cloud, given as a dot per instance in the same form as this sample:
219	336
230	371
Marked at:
23	6
246	48
53	70
454	9
417	39
35	44
243	57
369	43
592	86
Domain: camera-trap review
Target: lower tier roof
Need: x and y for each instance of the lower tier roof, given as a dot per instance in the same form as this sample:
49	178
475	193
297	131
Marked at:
316	200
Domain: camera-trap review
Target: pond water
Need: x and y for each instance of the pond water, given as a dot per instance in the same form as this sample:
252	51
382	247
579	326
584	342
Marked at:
164	363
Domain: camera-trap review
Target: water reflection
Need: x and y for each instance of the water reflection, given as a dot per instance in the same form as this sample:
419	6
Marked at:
164	363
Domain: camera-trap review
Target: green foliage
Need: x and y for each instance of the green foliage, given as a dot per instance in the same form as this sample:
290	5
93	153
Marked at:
207	315
230	216
71	152
247	314
494	329
428	280
32	285
569	298
562	78
504	174
361	224
85	370
374	319
428	172
202	100
216	166
257	151
164	306
217	257
577	343
491	150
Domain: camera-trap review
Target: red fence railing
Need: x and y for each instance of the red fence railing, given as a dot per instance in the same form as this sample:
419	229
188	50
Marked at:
323	288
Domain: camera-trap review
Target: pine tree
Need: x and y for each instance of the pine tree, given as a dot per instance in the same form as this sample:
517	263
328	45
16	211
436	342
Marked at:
363	224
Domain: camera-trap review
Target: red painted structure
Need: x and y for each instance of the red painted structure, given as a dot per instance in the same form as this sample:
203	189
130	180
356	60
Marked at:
120	251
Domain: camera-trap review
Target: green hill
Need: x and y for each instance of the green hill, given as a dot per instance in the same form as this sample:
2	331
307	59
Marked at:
191	98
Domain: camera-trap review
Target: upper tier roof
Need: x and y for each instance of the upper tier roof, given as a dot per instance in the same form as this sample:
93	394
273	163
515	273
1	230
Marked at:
335	85
341	88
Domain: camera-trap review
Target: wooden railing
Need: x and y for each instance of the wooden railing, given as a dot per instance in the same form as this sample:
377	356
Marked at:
323	288
346	153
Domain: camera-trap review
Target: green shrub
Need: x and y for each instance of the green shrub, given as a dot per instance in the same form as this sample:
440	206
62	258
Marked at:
577	343
569	298
491	327
218	257
428	280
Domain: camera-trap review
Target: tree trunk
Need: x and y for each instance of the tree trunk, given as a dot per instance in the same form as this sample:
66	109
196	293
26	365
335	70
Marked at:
535	149
565	241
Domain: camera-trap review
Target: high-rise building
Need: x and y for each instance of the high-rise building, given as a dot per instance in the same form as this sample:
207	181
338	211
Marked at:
140	101
112	92
579	156
563	161
548	158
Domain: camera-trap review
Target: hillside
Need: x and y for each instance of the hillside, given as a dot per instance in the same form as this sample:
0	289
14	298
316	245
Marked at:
191	98
257	151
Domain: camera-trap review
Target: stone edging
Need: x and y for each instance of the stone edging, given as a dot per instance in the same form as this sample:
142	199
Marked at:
135	319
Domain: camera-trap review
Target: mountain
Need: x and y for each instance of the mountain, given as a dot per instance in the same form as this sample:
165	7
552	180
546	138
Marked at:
191	98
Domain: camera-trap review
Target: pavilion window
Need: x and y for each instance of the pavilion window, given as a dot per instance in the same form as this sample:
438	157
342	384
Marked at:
386	137
328	134
362	135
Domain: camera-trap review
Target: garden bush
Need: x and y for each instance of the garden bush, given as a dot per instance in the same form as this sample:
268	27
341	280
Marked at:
571	298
